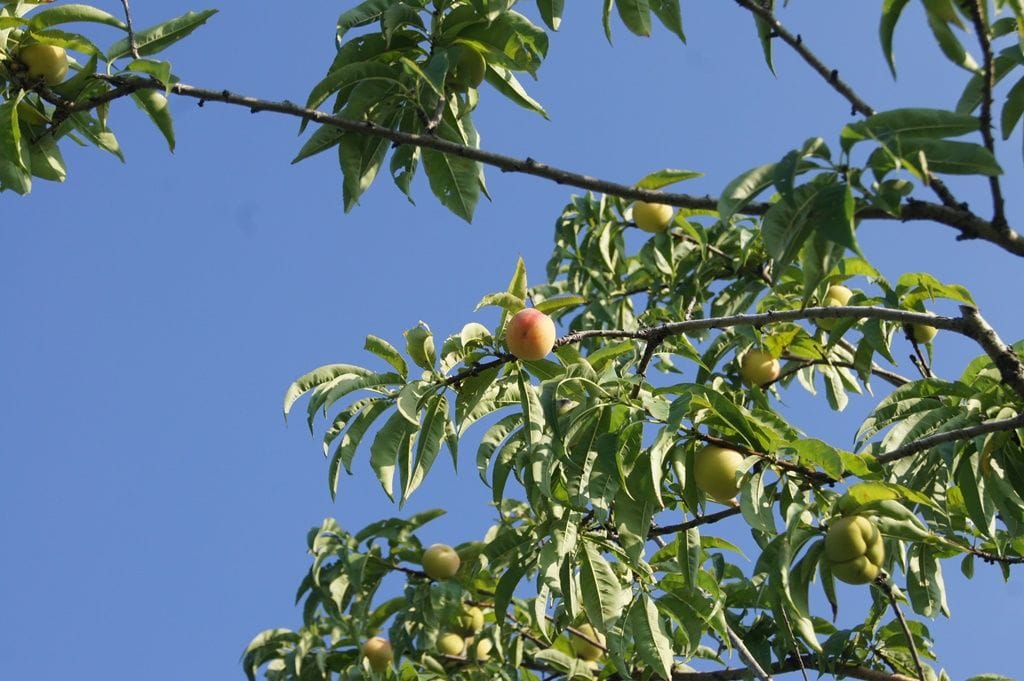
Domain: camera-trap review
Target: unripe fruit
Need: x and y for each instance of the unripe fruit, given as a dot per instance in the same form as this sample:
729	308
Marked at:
652	217
378	653
48	62
530	334
758	367
451	644
714	469
922	333
482	650
469	69
585	650
854	549
440	562
836	296
470	621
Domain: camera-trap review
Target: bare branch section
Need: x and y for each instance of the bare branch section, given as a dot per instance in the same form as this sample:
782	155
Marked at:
981	29
969	225
133	46
831	76
858	105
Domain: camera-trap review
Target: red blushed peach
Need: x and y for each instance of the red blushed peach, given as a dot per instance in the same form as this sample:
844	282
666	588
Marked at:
530	334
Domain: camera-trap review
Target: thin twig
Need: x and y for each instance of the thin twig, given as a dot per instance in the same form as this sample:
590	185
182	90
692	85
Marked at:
131	30
883	583
831	76
747	656
988	83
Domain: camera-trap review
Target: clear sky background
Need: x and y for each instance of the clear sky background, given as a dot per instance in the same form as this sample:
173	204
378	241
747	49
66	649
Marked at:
154	505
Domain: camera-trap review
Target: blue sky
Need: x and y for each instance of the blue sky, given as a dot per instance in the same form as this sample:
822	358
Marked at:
153	504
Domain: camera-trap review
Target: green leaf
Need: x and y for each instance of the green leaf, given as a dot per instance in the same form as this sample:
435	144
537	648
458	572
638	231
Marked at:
392	441
909	123
47	162
670	15
69	41
349	75
96	133
453	179
360	15
14	159
388	353
602	595
950	45
743	189
419	344
1012	109
765	35
161	70
636	15
891	10
551	12
925	585
317	377
428	443
156	107
505	82
64	14
345	452
663	178
652	644
323	138
361	157
160	37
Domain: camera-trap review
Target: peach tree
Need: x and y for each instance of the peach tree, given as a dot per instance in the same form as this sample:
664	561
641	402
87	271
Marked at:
625	458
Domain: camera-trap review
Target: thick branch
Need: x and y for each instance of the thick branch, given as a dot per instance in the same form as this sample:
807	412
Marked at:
969	225
1006	360
950	436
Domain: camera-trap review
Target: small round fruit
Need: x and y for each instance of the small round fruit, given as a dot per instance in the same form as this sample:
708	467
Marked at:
585	650
48	62
922	333
530	334
440	562
378	653
469	70
714	469
854	549
471	620
451	644
482	650
652	217
836	296
758	367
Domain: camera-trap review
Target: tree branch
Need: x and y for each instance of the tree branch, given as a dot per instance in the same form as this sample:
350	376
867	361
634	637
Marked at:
969	225
883	583
831	76
131	30
981	28
950	436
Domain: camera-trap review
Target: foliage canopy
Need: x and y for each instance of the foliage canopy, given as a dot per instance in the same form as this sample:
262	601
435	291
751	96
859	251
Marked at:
604	540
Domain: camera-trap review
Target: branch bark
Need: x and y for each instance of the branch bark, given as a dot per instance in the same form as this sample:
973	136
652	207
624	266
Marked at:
966	223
